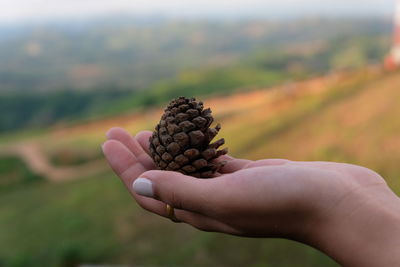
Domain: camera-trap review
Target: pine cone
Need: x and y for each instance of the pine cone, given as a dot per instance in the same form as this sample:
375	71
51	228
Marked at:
181	141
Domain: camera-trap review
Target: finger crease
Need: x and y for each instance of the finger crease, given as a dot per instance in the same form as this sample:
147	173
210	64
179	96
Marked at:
130	168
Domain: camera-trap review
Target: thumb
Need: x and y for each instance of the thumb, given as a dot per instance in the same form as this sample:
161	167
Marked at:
178	190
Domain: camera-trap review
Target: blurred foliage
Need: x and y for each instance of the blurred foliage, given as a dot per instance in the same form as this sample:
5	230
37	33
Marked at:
134	53
33	109
201	59
15	174
94	220
72	156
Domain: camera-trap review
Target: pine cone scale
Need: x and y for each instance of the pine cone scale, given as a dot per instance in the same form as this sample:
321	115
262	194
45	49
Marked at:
181	140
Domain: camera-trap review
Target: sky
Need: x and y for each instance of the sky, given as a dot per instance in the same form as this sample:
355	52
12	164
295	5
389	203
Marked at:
25	10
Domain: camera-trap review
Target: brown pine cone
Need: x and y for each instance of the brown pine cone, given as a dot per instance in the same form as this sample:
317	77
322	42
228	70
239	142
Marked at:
181	141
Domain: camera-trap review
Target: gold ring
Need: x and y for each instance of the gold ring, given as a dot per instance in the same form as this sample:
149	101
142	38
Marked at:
171	213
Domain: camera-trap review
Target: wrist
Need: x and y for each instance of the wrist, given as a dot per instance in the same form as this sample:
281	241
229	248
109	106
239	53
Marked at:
362	230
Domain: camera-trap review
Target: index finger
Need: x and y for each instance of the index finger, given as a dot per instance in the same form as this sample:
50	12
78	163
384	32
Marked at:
133	144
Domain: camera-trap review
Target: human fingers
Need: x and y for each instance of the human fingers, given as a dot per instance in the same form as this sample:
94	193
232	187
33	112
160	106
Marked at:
196	220
145	187
124	163
128	168
214	197
249	199
132	144
143	139
184	192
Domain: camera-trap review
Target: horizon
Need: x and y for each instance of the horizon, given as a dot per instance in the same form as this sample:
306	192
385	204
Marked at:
124	17
27	11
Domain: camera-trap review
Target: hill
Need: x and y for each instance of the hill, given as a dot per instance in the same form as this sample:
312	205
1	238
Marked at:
57	73
134	53
345	116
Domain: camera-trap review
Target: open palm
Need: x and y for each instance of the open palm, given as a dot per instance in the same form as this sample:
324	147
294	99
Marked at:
334	207
252	198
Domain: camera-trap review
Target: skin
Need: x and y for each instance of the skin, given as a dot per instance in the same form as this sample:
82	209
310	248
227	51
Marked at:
346	211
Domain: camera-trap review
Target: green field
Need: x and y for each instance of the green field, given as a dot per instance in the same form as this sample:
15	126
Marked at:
94	220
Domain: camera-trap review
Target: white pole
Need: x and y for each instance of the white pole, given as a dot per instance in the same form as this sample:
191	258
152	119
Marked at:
397	14
395	53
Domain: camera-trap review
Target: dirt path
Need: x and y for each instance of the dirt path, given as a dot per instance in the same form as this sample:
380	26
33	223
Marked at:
38	162
36	159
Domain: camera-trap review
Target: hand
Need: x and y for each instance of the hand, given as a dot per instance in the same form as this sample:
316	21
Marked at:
337	208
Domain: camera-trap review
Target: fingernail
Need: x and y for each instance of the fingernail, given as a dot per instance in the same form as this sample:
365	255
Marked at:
143	187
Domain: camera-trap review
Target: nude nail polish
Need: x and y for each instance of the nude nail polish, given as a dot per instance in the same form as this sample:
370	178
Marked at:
143	187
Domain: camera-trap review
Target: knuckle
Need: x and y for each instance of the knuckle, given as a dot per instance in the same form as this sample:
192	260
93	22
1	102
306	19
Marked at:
175	200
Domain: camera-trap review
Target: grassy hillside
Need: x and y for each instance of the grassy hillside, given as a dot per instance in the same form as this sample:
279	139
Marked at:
51	73
359	125
351	117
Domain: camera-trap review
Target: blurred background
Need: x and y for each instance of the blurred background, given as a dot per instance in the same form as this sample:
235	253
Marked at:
317	79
